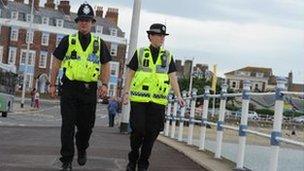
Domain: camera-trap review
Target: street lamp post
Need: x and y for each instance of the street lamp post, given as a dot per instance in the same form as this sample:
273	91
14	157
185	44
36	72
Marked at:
191	77
132	46
27	54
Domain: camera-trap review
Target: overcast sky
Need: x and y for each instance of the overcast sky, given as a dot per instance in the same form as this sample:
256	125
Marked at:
230	33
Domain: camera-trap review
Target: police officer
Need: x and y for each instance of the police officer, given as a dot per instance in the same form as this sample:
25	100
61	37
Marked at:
151	75
84	58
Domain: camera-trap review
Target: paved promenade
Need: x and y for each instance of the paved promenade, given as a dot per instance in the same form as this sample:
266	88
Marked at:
37	148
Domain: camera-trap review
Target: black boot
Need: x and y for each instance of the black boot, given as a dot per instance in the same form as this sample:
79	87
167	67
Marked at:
66	166
82	158
131	167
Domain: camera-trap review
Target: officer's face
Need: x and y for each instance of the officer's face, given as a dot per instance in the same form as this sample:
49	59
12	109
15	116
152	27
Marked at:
157	39
84	25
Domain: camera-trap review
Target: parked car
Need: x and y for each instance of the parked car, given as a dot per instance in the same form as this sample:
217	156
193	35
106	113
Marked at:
299	119
251	114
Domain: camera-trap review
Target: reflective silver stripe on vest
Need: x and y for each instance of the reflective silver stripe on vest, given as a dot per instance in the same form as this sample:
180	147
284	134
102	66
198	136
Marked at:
140	94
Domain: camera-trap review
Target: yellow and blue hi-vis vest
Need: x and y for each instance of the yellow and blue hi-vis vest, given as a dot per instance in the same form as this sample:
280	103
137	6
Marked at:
151	81
82	65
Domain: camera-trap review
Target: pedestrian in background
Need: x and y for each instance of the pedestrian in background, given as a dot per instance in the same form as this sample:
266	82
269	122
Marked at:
112	110
37	100
33	92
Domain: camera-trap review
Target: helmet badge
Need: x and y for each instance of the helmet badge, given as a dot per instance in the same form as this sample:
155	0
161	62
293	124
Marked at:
86	10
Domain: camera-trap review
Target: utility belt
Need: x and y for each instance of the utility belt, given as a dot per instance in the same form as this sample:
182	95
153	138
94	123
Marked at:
79	85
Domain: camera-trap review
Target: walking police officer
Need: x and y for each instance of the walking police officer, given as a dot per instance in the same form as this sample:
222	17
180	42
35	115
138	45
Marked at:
151	74
84	58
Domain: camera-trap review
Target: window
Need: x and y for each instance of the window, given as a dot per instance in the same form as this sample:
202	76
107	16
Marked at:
114	68
29	81
243	73
45	39
113	50
1	54
98	29
14	34
29	36
233	84
28	17
42	59
113	32
59	37
59	23
111	90
12	55
259	75
14	15
31	57
45	21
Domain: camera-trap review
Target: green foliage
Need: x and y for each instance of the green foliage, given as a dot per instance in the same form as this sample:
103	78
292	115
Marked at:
232	107
265	111
291	113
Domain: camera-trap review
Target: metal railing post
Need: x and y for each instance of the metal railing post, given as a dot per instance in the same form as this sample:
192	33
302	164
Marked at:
191	117
219	135
181	119
173	121
243	126
168	115
204	118
277	125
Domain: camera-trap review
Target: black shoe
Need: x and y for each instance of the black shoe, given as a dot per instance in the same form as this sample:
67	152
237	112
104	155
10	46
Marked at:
66	166
131	167
82	158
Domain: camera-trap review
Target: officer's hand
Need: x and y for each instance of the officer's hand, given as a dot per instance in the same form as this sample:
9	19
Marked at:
126	98
181	101
102	91
52	91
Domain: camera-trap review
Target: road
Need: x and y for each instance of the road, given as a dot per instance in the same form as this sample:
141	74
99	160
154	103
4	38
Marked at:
30	141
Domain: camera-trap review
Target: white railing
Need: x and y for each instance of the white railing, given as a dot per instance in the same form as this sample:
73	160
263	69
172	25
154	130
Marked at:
275	136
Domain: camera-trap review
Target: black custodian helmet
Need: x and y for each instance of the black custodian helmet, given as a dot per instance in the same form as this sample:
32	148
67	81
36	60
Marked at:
85	11
157	28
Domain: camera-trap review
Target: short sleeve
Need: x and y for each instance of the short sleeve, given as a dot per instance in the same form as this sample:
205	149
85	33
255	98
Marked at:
105	55
62	48
172	67
133	64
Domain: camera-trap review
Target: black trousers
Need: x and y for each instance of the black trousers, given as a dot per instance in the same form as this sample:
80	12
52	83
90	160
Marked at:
146	121
78	106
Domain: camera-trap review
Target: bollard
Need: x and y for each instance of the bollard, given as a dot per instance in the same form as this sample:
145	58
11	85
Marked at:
168	115
191	117
181	119
277	125
173	123
243	126
220	122
204	118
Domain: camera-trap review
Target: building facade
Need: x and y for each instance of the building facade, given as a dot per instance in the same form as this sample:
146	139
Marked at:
50	24
257	76
184	71
262	79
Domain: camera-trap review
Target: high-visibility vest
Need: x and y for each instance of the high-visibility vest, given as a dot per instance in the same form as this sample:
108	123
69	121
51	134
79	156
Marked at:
82	65
151	81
